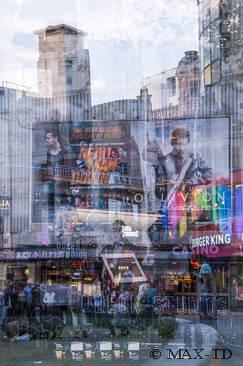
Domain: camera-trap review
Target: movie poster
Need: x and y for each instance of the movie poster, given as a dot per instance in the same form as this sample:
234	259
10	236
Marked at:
82	153
191	160
87	177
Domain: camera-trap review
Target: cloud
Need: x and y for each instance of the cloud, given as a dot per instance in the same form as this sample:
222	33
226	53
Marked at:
98	84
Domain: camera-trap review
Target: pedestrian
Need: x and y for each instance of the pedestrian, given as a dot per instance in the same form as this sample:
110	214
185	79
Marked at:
28	299
2	307
36	295
48	300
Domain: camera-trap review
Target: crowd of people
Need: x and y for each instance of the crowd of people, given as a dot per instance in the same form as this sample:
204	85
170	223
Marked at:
127	304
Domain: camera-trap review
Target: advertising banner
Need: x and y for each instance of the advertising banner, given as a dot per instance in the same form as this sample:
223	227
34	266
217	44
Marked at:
191	162
84	153
87	175
90	175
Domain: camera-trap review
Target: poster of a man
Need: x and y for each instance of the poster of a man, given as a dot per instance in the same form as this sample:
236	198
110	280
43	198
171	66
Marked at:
57	154
189	165
56	169
180	167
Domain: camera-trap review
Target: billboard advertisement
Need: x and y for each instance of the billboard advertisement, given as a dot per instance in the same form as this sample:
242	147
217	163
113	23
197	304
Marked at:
87	176
191	160
168	182
84	153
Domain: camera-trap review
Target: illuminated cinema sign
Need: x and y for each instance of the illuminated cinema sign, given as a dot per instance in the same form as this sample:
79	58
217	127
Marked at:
49	254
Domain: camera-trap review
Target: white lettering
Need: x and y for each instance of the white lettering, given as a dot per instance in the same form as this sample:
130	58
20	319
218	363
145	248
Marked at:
220	239
227	238
212	240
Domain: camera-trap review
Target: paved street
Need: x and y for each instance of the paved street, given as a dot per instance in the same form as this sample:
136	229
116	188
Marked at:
188	336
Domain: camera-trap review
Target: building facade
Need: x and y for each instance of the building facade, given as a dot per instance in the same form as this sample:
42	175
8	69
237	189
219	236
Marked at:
221	41
220	38
163	88
64	94
175	92
188	76
64	71
127	109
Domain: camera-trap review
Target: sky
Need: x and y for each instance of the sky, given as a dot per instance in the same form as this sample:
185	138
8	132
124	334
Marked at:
127	39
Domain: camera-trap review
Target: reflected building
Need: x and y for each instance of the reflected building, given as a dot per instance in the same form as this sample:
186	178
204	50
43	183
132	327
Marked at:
64	72
64	94
221	44
175	92
164	91
126	109
17	114
188	76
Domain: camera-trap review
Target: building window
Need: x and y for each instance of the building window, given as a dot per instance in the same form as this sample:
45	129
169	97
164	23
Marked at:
207	75
206	47
214	9
206	13
194	89
215	44
171	84
123	168
216	72
60	68
69	72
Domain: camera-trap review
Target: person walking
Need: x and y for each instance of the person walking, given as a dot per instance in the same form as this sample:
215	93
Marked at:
2	307
28	299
